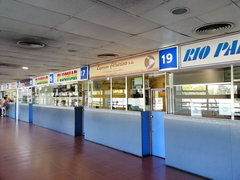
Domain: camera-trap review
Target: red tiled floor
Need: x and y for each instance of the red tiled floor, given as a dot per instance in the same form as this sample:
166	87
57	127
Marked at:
29	152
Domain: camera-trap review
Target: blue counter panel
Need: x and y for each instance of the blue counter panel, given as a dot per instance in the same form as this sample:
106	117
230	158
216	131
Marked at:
207	147
125	131
11	110
158	135
24	112
64	120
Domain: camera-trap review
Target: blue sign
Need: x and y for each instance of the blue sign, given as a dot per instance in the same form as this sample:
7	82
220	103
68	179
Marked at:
84	73
168	58
31	82
18	84
51	78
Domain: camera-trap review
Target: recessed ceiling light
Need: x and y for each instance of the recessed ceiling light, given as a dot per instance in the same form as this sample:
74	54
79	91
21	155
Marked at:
30	44
25	68
179	10
107	55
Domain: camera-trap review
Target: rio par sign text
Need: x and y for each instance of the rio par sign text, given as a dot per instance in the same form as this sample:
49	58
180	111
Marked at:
222	50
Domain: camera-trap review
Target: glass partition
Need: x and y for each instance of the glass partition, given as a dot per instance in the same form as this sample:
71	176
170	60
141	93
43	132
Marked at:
135	93
100	96
119	93
25	95
204	93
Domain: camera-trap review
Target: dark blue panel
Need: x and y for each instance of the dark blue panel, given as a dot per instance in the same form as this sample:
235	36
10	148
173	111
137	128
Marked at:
30	113
158	135
145	134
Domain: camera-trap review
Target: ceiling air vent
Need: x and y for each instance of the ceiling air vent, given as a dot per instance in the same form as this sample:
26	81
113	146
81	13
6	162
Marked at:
107	55
214	28
30	44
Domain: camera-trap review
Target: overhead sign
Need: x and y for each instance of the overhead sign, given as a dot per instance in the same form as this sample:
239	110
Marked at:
133	65
51	78
41	80
168	59
84	73
66	76
222	50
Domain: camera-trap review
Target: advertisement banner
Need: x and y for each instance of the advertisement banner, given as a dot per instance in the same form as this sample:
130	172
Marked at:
133	65
42	80
217	51
67	76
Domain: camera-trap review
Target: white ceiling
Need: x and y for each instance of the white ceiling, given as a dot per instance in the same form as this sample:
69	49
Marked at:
92	27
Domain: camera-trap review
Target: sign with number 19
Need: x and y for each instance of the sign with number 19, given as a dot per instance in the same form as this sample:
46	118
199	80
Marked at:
168	58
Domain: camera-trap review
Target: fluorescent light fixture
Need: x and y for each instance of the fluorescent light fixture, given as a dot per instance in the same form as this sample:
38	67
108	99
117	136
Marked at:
25	68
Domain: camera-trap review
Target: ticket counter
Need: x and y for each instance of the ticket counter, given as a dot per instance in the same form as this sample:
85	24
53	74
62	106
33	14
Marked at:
66	120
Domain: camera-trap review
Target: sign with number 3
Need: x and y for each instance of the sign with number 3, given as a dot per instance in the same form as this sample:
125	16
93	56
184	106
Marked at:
168	58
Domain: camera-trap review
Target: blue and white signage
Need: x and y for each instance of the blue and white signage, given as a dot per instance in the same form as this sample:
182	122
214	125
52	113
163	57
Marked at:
84	73
31	82
51	78
168	58
222	50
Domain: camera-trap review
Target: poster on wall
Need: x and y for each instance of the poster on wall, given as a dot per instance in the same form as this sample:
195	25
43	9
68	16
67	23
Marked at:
223	50
128	66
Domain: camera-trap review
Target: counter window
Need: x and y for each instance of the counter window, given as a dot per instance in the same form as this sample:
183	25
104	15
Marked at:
135	93
100	97
204	93
118	93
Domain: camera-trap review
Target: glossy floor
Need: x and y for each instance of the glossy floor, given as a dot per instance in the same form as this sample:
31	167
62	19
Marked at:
29	152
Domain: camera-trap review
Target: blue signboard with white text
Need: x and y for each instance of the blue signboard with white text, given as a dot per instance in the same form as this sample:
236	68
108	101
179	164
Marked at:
168	59
51	78
84	73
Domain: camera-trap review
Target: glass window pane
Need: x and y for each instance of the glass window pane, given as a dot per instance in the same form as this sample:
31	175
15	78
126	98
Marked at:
135	93
101	94
204	93
118	93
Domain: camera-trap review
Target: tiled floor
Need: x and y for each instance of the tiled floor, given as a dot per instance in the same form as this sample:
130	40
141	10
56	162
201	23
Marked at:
29	152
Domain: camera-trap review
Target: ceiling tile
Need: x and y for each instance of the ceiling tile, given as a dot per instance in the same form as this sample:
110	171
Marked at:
20	27
186	26
116	19
27	13
135	6
166	36
163	16
69	7
122	48
222	14
75	39
141	43
88	29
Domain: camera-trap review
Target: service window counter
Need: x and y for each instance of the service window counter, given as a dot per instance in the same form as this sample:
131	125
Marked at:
67	120
203	133
126	131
